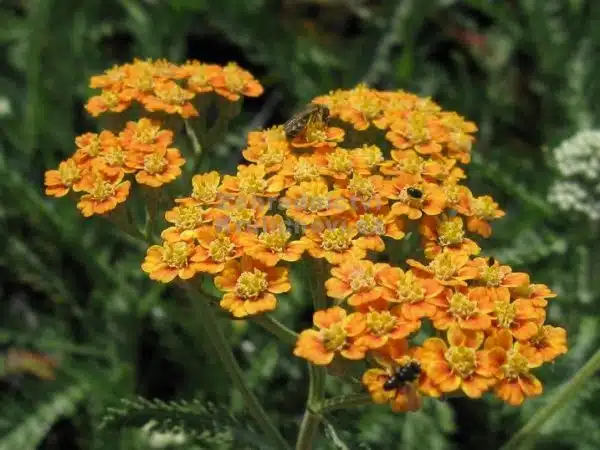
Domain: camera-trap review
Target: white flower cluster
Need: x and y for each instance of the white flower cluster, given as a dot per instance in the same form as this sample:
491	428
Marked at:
578	187
158	439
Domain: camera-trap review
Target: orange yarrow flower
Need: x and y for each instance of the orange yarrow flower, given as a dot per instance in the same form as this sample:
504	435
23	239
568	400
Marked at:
335	244
186	219
461	364
233	82
516	361
170	98
445	232
206	190
371	226
448	268
170	260
216	247
273	243
312	200
355	280
250	286
481	211
251	180
103	192
548	343
335	335
59	182
467	308
157	168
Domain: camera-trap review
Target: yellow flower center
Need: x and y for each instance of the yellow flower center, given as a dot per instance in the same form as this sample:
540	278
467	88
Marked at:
252	183
68	172
274	154
370	155
110	99
334	337
143	81
199	78
305	170
443	266
516	364
251	284
205	190
189	217
102	189
315	132
315	198
461	141
450	232
274	134
416	127
370	225
172	94
462	360
409	289
176	255
362	279
242	217
452	194
275	241
339	161
505	313
361	187
491	276
93	148
461	306
412	164
221	248
154	163
114	156
380	322
539	338
336	239
234	78
484	207
146	133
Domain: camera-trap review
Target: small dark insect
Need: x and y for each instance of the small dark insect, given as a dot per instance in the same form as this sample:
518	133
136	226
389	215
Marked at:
311	114
403	374
491	261
414	192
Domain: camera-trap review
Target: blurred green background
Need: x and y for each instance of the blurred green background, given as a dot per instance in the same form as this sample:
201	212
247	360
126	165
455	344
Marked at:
524	70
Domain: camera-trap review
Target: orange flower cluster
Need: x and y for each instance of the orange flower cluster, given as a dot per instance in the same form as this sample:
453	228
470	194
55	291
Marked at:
101	163
310	193
167	87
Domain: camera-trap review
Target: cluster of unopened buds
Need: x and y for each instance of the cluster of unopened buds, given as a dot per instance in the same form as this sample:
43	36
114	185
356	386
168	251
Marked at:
339	184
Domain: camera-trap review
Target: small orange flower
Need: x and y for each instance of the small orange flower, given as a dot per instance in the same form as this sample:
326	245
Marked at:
414	199
250	286
233	82
169	97
445	232
516	380
89	147
302	169
496	277
461	364
103	193
111	78
481	211
216	247
165	262
537	293
59	182
335	244
410	291
200	77
263	138
355	280
366	158
448	268
418	130
383	325
107	101
404	162
205	190
241	213
336	334
466	308
312	200
271	156
337	164
250	180
316	135
372	226
548	343
368	192
519	317
186	219
145	136
158	168
382	382
273	243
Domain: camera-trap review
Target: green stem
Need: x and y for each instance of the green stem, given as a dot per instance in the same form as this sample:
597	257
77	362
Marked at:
566	393
316	375
229	363
189	130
